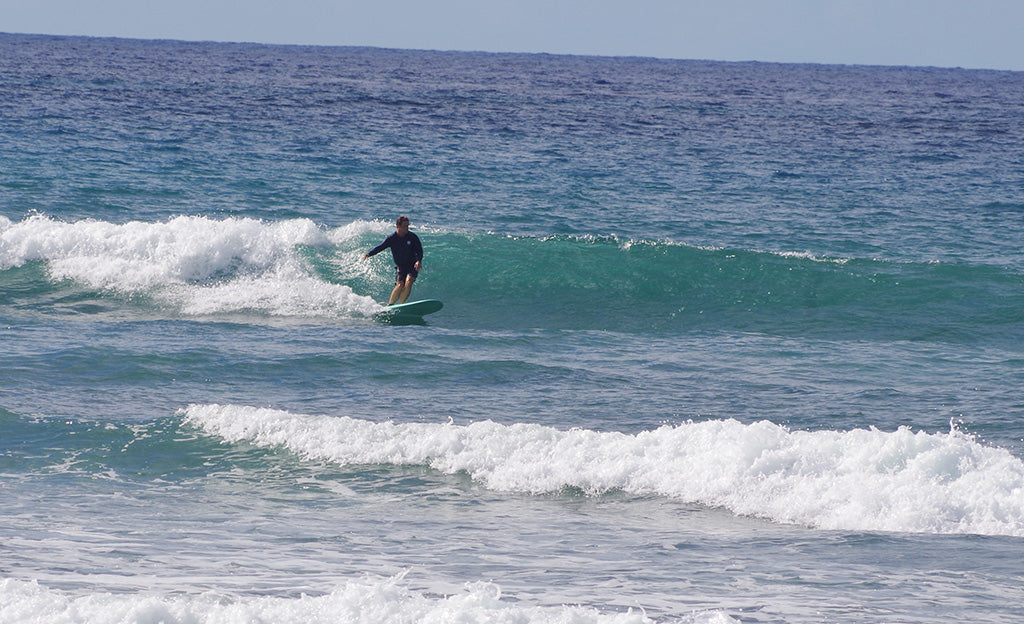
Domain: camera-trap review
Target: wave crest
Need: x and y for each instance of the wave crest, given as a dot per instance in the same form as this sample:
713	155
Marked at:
294	267
863	479
197	265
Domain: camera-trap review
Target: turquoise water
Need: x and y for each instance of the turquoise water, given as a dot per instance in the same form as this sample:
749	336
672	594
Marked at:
722	342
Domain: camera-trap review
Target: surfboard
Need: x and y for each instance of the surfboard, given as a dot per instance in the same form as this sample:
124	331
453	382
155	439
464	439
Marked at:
416	308
411	310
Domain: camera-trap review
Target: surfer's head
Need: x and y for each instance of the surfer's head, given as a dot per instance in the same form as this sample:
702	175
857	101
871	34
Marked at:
402	224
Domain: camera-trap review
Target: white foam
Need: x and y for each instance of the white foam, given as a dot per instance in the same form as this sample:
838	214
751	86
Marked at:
195	264
386	601
358	228
806	255
864	479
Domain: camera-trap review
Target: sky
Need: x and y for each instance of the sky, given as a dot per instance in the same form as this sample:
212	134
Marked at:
976	34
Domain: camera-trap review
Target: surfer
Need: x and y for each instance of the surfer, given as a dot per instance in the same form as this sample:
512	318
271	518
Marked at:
407	252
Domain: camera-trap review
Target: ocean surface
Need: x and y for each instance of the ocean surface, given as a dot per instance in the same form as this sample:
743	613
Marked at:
722	342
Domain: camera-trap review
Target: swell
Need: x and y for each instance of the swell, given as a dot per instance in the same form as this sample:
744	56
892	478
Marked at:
199	266
858	479
64	452
638	286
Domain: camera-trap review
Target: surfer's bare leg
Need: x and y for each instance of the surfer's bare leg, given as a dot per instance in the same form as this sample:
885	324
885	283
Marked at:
402	289
407	288
396	293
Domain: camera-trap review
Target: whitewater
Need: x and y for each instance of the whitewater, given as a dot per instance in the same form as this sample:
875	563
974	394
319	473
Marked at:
864	480
177	263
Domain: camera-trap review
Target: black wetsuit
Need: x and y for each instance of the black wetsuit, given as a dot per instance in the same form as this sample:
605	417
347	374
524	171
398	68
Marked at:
406	251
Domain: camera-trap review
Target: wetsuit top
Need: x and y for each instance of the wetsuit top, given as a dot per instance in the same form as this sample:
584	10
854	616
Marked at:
406	250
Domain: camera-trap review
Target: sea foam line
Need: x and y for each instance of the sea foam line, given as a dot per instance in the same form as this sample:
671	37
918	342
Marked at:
387	601
864	479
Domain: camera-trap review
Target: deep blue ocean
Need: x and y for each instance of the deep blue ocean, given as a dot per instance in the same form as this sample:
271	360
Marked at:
721	342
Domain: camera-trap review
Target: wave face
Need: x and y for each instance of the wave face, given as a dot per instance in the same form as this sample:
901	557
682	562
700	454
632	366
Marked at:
871	480
600	283
296	268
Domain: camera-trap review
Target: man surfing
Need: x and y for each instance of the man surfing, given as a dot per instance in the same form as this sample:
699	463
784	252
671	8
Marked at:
407	251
